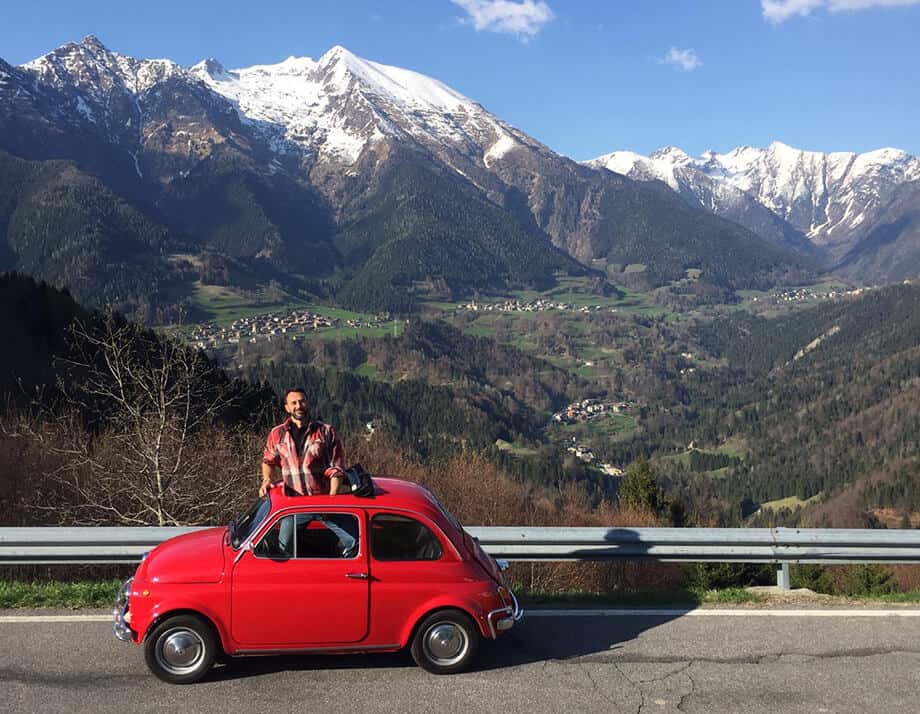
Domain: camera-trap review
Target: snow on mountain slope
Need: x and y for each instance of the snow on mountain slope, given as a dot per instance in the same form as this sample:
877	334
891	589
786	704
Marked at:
340	103
830	197
115	96
675	168
328	109
91	67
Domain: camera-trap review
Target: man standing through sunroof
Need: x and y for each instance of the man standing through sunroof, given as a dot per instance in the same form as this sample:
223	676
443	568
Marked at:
307	454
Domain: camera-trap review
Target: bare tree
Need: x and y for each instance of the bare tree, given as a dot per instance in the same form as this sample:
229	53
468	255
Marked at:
154	451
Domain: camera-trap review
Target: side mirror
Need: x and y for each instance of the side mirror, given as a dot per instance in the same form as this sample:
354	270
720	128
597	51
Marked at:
247	546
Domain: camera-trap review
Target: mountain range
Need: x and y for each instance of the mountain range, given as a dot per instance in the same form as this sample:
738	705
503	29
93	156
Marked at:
131	180
859	212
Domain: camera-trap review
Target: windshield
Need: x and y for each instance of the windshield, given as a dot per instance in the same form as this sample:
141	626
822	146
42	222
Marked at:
244	526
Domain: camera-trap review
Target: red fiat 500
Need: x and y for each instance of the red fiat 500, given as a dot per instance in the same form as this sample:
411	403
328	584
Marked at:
330	574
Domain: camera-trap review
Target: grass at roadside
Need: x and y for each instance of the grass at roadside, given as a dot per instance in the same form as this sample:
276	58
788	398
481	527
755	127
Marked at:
90	593
909	596
652	598
84	593
101	594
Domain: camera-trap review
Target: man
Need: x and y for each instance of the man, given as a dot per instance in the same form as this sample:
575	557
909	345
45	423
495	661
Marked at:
307	454
310	459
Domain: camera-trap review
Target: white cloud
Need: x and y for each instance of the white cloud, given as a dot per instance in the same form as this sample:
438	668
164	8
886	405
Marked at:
777	11
685	60
524	18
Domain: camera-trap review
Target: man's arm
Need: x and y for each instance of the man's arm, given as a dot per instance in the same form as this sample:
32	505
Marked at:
268	471
271	463
336	471
334	483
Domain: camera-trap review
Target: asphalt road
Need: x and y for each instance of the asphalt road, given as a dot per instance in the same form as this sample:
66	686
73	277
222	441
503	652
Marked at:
550	663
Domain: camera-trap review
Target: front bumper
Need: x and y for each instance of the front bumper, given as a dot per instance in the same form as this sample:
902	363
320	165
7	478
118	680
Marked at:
504	618
121	616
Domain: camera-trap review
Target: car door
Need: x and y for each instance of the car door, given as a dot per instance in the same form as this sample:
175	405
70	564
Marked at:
305	582
412	562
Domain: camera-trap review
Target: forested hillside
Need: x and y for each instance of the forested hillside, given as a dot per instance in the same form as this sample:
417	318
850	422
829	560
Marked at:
656	229
34	318
62	225
95	403
826	400
423	225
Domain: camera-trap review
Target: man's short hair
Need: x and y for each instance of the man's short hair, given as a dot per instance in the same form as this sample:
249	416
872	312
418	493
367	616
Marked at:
292	390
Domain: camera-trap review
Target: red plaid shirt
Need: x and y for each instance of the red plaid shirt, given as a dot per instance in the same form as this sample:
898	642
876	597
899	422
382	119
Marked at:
308	472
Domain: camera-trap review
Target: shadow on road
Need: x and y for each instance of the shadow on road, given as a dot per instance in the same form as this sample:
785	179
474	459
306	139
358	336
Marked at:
244	667
550	638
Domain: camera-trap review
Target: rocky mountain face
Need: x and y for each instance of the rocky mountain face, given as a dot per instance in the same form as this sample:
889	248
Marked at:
837	201
356	176
890	249
342	116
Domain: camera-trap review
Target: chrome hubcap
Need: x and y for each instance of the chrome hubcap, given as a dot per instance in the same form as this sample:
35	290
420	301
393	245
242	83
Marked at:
446	643
180	651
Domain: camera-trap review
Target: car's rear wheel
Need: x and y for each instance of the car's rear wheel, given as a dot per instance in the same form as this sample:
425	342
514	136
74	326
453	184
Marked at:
445	642
181	649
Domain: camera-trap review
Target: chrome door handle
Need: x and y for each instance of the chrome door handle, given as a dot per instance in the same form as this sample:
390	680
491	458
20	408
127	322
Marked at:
357	576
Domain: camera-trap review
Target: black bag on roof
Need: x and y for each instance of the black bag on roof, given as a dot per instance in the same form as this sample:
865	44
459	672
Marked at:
360	481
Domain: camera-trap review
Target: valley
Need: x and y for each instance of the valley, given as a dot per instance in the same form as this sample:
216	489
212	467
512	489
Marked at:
606	379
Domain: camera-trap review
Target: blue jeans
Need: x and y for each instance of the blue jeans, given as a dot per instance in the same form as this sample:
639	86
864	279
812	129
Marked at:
347	541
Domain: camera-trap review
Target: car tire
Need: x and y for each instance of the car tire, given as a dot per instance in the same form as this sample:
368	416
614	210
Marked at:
445	642
181	649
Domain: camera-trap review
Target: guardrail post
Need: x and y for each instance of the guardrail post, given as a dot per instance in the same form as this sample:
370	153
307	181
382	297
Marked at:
783	580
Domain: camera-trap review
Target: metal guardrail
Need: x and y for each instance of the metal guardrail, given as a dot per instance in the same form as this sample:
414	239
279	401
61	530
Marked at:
753	545
80	545
782	546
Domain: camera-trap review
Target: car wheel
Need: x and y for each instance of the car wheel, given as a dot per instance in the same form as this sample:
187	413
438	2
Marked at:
445	642
181	649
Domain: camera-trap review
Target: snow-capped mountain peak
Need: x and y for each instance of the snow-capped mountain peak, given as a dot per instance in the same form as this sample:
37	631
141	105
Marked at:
827	196
405	87
90	65
208	67
671	154
324	110
339	104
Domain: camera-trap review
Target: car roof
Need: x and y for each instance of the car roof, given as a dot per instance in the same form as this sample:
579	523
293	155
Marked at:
388	493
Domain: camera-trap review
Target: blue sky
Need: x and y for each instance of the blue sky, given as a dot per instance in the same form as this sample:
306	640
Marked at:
583	76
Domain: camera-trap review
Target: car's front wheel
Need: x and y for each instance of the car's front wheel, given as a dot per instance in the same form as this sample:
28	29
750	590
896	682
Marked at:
445	642
181	649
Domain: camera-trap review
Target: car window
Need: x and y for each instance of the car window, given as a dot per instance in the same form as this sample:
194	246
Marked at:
395	537
311	535
249	521
277	543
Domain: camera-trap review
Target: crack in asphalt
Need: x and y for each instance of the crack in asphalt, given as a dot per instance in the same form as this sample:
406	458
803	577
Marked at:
635	686
595	686
766	658
638	685
668	675
685	697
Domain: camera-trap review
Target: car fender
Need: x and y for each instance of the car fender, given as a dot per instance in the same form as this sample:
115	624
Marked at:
169	607
445	602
